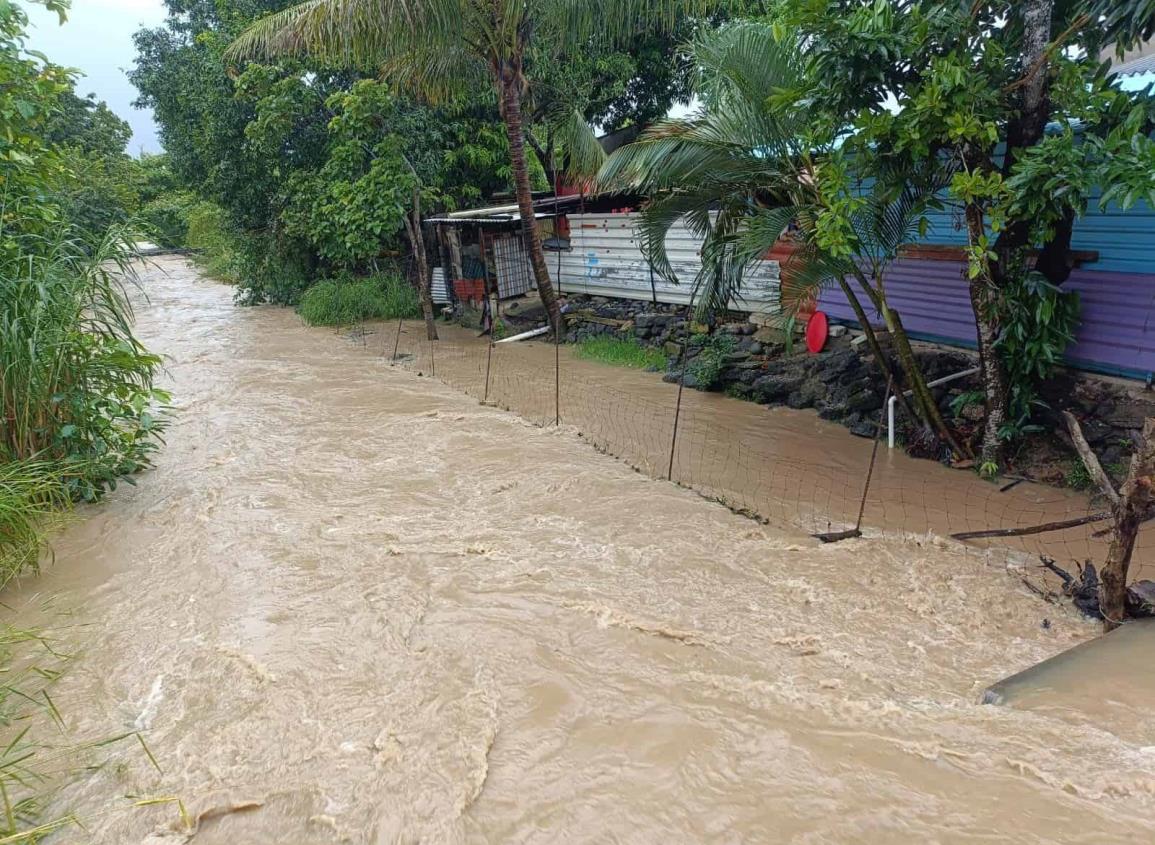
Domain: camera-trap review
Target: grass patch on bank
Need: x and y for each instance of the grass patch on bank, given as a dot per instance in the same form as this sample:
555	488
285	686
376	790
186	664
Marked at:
34	496
621	352
343	302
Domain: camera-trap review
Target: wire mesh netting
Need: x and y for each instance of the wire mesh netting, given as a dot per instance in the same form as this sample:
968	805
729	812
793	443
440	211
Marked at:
787	468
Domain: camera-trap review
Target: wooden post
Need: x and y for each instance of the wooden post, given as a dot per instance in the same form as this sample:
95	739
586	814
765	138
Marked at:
453	242
1131	506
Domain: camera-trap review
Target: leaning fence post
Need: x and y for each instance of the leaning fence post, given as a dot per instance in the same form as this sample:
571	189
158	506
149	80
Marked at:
488	365
557	372
677	411
873	458
397	343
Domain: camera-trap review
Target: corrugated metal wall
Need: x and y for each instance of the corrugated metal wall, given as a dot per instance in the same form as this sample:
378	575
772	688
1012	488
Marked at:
605	259
440	291
1125	240
1116	335
512	266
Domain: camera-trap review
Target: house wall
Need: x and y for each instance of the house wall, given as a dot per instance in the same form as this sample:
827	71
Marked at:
605	259
1117	292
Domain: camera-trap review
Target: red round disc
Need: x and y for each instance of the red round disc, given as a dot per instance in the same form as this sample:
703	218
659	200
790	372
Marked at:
817	330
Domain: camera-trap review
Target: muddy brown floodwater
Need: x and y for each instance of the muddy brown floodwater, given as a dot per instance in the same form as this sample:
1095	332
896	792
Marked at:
379	612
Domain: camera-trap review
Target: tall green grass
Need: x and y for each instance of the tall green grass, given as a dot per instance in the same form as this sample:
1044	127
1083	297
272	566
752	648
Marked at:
344	302
32	496
620	352
78	411
76	386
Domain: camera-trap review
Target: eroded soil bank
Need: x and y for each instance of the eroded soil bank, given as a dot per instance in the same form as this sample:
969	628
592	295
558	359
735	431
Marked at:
383	613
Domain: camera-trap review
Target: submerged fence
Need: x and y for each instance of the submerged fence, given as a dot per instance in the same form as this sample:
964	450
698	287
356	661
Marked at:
782	467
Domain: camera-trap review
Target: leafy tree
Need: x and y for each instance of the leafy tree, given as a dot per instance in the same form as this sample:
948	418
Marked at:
86	124
1012	98
29	162
182	77
443	47
304	190
757	159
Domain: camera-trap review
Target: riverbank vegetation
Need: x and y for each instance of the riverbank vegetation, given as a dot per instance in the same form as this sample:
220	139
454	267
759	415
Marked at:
315	166
79	409
620	352
77	395
348	301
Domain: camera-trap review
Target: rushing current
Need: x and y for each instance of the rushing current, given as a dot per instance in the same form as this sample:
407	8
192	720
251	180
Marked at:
353	605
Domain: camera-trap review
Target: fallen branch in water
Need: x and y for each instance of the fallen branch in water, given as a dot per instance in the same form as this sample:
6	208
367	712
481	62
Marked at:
1033	529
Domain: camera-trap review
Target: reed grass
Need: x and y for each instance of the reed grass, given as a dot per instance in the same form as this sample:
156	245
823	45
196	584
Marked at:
76	386
33	496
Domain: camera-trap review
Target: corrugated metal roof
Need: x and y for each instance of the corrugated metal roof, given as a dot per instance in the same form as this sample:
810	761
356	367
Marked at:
545	207
605	259
1139	60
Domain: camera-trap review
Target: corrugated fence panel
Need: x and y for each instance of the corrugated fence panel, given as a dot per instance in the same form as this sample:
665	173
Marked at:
512	267
440	291
1117	331
1125	240
605	259
1118	321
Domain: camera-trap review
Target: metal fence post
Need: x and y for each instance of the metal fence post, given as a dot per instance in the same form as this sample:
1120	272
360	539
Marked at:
678	411
397	343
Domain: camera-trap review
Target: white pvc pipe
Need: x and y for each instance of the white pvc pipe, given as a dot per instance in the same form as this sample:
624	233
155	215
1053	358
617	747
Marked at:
890	427
525	335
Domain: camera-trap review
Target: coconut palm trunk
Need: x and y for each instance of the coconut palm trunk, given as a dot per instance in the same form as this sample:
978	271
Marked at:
511	84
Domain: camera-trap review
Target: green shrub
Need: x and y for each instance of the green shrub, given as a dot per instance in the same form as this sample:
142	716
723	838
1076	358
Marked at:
270	271
214	240
620	352
32	494
706	367
344	301
165	220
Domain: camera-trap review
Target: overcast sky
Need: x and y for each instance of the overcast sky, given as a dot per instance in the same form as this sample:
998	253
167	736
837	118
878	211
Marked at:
97	39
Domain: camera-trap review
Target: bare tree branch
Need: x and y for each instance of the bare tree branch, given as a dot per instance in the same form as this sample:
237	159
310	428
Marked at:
1090	460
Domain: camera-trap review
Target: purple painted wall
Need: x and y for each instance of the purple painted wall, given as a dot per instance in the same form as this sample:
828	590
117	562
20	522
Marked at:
1117	311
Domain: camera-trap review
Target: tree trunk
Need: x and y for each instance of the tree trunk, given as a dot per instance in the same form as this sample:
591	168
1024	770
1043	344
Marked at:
424	278
996	392
875	348
453	242
1136	498
1026	129
922	395
928	410
511	114
1131	507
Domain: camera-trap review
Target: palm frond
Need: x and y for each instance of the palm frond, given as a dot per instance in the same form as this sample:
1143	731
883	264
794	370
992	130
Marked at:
729	170
615	22
358	33
582	152
660	215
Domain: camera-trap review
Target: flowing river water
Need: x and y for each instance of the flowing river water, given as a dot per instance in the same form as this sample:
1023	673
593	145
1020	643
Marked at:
352	605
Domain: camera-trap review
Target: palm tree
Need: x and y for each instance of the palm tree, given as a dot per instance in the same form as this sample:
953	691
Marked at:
748	166
439	48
